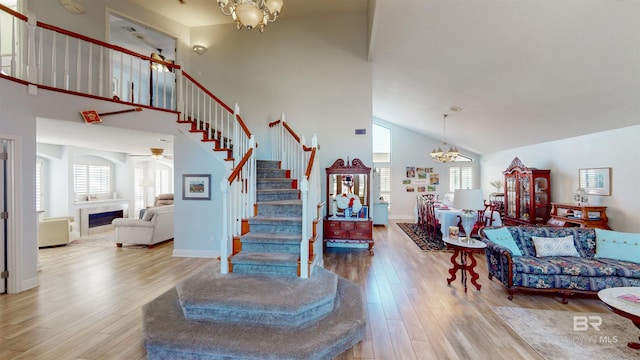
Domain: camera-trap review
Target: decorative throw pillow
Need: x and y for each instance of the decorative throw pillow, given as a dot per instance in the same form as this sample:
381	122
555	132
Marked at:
502	237
555	246
617	245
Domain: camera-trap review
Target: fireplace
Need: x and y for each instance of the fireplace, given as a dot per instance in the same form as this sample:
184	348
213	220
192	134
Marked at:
97	219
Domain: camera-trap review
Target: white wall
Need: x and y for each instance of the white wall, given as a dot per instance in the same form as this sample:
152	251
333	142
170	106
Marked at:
197	223
409	148
313	69
618	149
18	123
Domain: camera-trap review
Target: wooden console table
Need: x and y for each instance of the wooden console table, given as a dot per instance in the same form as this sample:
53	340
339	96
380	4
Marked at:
345	231
589	216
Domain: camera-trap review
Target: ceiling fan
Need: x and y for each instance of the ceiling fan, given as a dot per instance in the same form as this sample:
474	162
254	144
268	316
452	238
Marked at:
156	154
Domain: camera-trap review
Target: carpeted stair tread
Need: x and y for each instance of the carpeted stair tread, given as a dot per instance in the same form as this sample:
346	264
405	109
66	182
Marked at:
286	238
262	258
267	300
169	335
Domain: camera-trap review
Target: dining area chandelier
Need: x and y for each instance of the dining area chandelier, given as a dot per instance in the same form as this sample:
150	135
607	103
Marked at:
251	13
445	156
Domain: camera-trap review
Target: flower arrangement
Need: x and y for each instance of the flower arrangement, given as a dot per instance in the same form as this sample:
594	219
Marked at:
348	201
496	184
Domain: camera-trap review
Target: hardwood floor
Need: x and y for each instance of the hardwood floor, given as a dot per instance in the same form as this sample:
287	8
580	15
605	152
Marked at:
89	299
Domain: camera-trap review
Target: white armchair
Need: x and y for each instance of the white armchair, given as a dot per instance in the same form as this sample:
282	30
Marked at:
54	231
155	226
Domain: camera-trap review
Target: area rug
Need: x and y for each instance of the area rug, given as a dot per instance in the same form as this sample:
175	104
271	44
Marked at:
422	238
107	238
551	333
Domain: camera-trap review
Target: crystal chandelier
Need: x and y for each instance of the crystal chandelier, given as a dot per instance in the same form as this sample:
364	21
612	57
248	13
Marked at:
251	13
449	155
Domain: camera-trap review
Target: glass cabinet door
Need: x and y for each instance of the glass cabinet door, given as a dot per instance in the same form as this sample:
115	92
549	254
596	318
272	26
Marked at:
541	188
525	197
510	201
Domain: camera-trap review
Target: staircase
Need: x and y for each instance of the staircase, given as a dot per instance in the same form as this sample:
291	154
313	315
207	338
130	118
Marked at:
261	309
272	246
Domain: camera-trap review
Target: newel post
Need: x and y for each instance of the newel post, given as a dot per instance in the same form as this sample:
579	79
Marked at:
224	242
304	243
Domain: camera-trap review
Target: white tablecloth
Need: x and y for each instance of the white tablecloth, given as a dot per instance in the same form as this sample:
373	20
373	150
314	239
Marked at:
449	217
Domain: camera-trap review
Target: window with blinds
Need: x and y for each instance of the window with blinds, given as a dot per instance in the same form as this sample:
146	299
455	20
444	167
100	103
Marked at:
460	177
385	184
91	179
138	178
163	185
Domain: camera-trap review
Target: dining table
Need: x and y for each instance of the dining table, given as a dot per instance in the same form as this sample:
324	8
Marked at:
448	216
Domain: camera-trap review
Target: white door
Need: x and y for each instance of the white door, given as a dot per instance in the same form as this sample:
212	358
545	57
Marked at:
4	145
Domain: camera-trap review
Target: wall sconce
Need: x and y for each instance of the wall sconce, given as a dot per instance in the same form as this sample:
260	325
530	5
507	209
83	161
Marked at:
199	49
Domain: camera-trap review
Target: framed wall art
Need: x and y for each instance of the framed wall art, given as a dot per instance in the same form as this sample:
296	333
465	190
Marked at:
196	187
595	181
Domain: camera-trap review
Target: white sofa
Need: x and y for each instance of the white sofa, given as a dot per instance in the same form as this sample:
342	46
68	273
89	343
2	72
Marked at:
155	226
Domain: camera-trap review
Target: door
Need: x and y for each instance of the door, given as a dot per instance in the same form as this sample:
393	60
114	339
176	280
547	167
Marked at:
4	150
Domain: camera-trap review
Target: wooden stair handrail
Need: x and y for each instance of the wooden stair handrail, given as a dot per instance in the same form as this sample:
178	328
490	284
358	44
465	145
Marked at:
290	131
236	172
13	12
310	164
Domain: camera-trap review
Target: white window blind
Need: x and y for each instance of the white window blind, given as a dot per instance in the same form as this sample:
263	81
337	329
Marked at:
385	184
91	179
138	178
162	182
460	177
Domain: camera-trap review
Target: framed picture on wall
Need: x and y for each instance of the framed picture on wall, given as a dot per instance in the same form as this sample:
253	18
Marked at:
196	187
595	181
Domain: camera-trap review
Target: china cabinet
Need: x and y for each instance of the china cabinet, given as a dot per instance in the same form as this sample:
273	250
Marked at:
344	223
527	194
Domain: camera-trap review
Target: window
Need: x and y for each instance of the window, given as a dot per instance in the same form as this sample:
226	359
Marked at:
91	179
162	182
385	183
39	184
138	179
460	177
381	137
381	144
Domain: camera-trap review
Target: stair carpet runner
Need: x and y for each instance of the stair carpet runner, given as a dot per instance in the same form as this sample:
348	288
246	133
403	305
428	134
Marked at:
262	309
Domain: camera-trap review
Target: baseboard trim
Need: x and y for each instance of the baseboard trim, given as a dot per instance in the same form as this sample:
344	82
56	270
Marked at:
29	284
196	253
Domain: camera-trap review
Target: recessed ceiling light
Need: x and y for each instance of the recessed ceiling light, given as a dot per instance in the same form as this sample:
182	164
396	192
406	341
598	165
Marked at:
163	140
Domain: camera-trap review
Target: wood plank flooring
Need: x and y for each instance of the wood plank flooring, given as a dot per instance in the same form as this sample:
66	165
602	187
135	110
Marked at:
88	304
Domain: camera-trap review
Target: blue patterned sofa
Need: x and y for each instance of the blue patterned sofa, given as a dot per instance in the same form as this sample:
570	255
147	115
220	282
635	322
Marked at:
566	275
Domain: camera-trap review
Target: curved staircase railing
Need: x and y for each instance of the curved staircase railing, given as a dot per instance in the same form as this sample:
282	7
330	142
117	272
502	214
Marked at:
65	61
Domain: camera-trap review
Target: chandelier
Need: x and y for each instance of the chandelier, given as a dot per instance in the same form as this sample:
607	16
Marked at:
251	13
449	155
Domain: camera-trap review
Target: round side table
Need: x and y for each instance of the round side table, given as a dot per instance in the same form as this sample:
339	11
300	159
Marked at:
464	250
614	299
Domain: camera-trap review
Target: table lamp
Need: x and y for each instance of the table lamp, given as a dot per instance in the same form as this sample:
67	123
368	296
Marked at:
469	201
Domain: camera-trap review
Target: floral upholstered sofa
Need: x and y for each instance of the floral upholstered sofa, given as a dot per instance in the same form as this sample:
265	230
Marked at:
565	260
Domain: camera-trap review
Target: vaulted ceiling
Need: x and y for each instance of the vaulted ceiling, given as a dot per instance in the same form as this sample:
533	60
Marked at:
523	72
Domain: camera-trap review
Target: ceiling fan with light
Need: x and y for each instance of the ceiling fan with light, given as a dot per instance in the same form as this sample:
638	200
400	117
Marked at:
156	154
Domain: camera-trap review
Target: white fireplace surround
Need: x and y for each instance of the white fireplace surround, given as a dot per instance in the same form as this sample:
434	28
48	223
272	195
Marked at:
87	210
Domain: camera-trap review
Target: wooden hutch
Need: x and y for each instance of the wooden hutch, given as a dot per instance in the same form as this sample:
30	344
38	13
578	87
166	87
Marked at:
339	227
527	195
